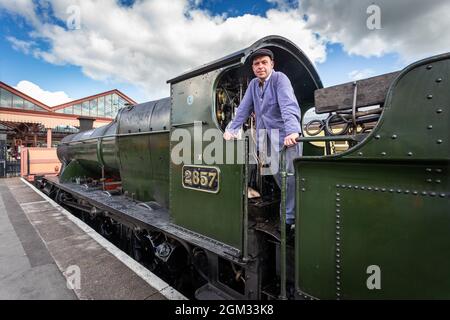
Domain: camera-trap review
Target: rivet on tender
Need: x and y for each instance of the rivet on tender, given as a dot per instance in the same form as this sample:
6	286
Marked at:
439	141
377	136
439	110
424	193
429	67
394	136
438	80
360	153
383	153
430	96
430	127
410	153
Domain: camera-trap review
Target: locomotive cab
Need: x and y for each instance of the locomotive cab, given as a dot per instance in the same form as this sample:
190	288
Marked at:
231	85
196	111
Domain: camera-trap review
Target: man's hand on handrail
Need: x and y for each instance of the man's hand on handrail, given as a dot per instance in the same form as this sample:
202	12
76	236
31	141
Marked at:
291	139
228	135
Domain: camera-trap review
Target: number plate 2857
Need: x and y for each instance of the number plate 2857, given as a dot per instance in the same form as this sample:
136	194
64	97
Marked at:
201	178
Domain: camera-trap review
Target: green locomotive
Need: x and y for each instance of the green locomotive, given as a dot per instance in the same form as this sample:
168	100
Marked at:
373	187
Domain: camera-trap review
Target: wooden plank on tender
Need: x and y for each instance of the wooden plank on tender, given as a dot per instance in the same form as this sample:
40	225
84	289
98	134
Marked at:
371	91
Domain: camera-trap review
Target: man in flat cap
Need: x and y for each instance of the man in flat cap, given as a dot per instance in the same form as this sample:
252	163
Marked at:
271	97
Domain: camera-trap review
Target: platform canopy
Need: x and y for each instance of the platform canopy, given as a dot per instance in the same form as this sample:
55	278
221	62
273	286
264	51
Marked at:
49	121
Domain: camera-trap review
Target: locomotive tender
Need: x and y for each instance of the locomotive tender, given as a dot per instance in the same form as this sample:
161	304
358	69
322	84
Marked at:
373	186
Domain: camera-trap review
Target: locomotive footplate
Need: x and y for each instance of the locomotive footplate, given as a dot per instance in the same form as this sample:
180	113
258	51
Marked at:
142	217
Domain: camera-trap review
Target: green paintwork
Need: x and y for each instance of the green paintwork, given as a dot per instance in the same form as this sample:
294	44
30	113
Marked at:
412	105
87	155
108	153
94	153
144	158
94	149
401	223
140	134
219	215
145	166
75	170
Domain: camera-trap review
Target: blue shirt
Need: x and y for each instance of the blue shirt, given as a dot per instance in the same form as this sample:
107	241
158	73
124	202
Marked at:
275	107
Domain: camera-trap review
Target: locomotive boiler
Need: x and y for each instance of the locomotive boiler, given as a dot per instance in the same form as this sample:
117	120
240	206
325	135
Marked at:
372	199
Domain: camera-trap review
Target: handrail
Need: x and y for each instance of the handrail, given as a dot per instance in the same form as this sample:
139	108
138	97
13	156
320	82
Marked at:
188	124
283	174
356	138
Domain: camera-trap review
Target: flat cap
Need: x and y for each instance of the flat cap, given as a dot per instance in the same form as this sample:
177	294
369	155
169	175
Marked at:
261	53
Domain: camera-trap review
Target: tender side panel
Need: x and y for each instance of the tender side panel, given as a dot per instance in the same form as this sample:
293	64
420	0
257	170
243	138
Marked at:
357	216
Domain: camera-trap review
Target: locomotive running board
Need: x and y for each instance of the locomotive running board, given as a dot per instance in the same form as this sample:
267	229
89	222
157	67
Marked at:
130	213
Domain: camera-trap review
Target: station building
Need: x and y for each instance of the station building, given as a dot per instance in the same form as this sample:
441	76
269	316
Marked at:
27	122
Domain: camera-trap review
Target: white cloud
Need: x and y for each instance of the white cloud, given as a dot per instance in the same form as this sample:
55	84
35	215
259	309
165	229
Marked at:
23	8
20	45
155	40
413	29
47	97
360	74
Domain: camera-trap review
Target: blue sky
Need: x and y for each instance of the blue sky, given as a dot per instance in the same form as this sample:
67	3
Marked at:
341	59
17	66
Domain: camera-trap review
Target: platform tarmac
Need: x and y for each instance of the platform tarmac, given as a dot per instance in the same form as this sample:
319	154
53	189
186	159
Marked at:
47	253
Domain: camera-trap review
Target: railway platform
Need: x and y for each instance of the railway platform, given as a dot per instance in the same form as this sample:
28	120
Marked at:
47	253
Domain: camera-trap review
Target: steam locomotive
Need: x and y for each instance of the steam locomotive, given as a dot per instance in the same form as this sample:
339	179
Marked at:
372	186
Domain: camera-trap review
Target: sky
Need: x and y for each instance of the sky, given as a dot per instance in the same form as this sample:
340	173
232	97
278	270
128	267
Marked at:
57	51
